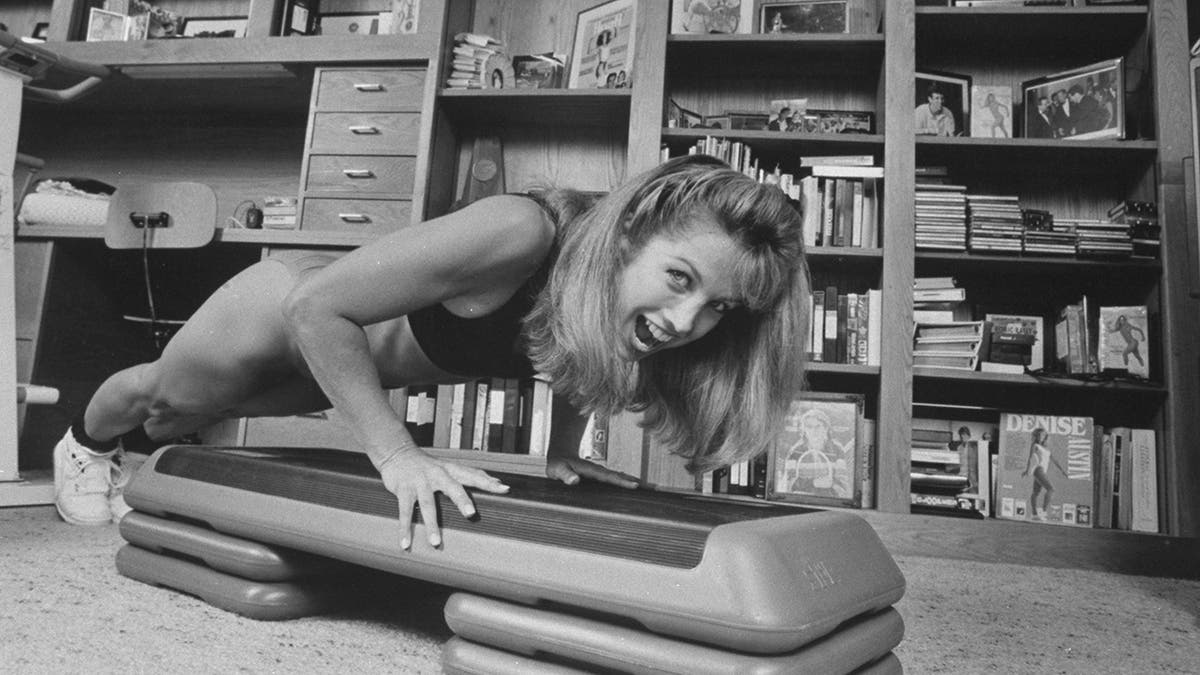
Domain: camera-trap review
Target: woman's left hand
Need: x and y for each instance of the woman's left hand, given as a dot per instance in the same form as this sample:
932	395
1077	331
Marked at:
571	470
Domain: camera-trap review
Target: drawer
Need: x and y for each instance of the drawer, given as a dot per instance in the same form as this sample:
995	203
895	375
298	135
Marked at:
356	215
361	174
370	89
379	133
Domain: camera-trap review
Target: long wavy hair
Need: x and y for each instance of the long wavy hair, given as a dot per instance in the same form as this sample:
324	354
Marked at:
714	401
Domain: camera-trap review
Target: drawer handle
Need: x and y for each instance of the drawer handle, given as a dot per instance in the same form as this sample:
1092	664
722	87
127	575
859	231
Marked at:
369	86
358	173
354	217
364	129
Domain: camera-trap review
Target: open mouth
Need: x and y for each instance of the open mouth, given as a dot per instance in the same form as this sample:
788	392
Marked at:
648	336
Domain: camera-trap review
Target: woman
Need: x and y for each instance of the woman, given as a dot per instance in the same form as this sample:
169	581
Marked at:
682	294
1040	459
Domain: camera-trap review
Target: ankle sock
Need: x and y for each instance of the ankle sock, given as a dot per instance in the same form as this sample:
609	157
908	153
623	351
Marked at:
89	443
136	440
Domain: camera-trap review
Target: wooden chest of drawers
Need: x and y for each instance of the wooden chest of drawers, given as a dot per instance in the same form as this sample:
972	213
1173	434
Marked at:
360	155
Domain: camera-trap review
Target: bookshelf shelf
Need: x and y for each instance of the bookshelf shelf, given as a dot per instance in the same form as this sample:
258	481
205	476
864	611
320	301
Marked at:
1015	153
228	235
1038	264
1006	380
765	46
843	369
775	141
1027	30
174	53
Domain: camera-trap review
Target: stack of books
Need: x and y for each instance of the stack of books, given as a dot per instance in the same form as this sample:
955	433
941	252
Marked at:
941	217
1042	237
955	345
279	213
1144	230
939	300
1100	238
476	60
994	223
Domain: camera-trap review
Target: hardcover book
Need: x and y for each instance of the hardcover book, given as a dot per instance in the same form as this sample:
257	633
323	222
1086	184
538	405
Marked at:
1046	469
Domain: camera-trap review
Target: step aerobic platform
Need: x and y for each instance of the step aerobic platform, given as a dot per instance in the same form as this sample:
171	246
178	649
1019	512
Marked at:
519	629
233	555
762	578
263	600
463	657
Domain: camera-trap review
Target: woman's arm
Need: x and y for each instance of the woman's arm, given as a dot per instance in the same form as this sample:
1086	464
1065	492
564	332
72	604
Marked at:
1029	461
492	245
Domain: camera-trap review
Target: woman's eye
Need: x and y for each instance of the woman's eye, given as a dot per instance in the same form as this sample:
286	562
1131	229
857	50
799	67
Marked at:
679	278
720	307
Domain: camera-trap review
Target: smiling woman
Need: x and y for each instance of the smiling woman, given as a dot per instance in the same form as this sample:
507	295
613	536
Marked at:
681	294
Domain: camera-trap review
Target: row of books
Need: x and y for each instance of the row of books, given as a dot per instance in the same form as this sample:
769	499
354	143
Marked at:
510	415
841	205
846	327
1061	470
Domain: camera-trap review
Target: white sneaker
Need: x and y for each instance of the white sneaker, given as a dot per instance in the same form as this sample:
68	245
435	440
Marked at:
82	482
120	477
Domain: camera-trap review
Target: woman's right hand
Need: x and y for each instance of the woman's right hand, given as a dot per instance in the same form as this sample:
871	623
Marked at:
415	477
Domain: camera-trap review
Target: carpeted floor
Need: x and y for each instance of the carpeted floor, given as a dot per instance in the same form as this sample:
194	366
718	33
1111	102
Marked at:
64	609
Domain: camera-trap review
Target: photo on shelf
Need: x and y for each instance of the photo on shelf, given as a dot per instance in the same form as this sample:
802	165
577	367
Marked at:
943	103
1123	337
538	71
106	26
815	459
602	53
40	31
706	17
807	16
402	18
991	111
349	23
215	27
1086	103
786	113
835	122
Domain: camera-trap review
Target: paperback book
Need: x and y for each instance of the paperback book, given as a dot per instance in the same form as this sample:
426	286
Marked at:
1046	469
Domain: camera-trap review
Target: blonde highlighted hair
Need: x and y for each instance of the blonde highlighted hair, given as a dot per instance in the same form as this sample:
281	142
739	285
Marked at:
714	401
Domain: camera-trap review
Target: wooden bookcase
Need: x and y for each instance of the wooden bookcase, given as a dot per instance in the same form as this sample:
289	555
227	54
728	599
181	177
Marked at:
594	139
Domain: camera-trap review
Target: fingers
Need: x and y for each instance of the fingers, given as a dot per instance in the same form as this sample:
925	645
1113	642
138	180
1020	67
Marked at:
428	504
605	475
406	519
561	470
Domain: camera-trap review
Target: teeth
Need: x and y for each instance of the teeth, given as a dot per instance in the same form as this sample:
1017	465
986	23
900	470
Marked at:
658	333
648	336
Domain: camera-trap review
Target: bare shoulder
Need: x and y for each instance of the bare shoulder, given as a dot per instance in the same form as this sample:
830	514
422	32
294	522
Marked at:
508	227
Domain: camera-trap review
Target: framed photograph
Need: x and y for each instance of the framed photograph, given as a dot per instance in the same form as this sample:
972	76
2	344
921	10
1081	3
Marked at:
40	30
602	54
215	27
348	23
815	121
786	114
943	103
705	17
816	455
805	16
538	71
104	26
1087	103
991	111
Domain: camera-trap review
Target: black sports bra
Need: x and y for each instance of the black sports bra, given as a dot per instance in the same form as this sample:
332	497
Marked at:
489	345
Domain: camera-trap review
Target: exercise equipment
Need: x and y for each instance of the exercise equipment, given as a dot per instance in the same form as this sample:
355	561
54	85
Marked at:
21	64
462	657
263	600
759	578
601	645
247	559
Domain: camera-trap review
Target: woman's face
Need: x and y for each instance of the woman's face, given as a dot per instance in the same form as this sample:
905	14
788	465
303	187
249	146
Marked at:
676	288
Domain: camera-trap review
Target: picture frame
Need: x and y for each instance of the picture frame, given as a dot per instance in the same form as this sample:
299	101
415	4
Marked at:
40	30
991	111
105	26
816	456
214	27
955	91
602	52
299	17
348	23
538	71
706	17
1098	112
802	17
785	114
815	121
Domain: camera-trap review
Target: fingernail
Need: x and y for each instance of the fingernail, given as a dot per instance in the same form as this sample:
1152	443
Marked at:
469	513
435	541
404	544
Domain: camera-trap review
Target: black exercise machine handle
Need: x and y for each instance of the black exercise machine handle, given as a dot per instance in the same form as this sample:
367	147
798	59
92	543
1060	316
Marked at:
93	73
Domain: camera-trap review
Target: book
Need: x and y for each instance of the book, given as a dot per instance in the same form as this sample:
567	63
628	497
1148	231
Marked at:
1122	339
952	330
847	171
1144	481
1046	469
1020	329
1104	479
